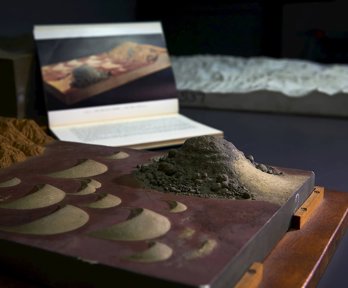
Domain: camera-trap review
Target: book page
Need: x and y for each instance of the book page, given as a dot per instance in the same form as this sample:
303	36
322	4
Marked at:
112	84
145	132
107	113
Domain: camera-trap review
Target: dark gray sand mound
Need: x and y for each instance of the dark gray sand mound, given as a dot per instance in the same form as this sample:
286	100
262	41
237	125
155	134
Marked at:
201	167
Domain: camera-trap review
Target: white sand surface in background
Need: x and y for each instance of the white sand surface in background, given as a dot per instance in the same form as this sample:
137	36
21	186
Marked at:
226	74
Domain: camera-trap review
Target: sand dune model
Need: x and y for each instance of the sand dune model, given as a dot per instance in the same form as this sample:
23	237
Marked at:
196	216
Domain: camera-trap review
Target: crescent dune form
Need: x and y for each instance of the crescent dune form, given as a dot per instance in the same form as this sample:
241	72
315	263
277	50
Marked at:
10	183
176	206
118	155
144	224
106	202
88	186
156	252
93	183
46	195
66	219
87	168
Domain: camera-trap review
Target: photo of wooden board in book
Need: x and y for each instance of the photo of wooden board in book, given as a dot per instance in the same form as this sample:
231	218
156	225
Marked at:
77	79
84	215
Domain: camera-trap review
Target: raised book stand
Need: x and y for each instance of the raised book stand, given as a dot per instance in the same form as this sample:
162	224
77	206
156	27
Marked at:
301	256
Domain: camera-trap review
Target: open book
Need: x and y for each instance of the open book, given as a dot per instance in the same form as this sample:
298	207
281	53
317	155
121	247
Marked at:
112	84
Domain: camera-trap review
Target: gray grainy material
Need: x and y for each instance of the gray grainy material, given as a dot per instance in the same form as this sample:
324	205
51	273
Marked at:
201	167
86	75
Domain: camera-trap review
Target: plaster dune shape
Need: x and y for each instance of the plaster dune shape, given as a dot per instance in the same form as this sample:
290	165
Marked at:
87	187
85	190
93	183
86	168
118	155
156	252
108	201
272	188
10	183
66	219
44	196
187	233
143	224
205	249
176	206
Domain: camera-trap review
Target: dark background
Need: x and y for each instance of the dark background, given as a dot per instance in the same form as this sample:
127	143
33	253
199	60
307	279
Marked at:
315	30
312	30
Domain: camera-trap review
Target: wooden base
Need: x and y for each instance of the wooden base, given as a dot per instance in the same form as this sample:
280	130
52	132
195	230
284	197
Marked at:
252	278
305	212
298	260
301	257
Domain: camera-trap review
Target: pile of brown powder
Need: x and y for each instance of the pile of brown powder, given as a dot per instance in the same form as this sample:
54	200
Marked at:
19	139
201	167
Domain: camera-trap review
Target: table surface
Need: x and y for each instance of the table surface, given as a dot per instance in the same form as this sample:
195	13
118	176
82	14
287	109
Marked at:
318	144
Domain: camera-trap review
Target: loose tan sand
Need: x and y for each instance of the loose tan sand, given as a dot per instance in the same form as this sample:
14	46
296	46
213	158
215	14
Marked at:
206	248
187	233
20	139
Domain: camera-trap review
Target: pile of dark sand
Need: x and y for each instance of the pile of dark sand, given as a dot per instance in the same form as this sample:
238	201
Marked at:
201	167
